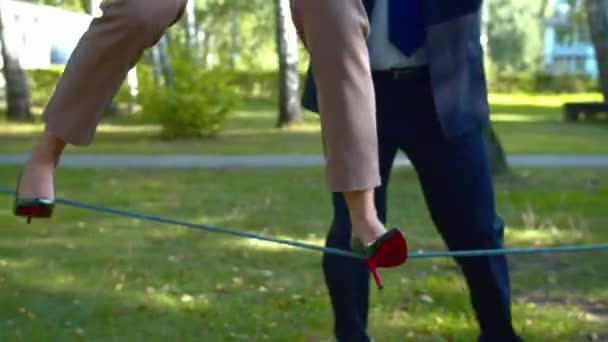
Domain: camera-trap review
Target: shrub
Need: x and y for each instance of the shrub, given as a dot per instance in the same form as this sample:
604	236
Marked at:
564	83
197	105
539	82
42	84
511	82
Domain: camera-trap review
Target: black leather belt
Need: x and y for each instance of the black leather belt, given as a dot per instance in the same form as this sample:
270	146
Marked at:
401	73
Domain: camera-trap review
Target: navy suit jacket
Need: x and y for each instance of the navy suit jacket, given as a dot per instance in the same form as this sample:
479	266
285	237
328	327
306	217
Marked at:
455	60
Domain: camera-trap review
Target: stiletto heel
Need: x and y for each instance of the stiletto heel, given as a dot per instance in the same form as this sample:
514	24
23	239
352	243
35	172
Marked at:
389	250
377	278
32	207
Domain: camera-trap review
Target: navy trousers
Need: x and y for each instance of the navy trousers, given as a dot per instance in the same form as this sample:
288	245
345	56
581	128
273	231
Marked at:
457	185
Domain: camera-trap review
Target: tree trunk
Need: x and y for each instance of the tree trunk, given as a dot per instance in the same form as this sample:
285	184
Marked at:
157	69
287	50
496	154
234	37
133	85
208	45
191	31
94	9
597	16
17	89
165	62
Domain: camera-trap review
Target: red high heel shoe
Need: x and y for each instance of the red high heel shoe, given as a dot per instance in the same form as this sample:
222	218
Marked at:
389	250
32	207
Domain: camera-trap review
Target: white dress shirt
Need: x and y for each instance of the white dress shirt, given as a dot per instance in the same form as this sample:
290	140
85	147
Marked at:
383	54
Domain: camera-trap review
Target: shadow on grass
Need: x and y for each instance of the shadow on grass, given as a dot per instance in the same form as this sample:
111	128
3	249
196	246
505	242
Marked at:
191	289
130	279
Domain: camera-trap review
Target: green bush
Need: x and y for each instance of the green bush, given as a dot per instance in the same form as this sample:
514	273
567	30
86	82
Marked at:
42	84
197	105
248	84
540	82
511	82
565	83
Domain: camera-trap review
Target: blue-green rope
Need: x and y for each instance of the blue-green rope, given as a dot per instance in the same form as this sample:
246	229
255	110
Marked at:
303	245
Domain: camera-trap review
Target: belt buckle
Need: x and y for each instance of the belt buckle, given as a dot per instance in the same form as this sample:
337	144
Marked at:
398	73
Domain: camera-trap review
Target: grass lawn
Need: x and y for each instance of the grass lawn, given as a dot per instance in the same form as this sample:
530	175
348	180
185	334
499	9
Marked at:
87	276
525	124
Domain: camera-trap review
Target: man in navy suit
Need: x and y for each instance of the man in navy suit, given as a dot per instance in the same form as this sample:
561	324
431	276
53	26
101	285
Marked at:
431	103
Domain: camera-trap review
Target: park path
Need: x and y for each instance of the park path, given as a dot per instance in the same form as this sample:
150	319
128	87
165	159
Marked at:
172	161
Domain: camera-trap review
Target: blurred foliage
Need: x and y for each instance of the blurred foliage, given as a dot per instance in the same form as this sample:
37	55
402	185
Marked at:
74	5
540	82
215	19
514	34
214	24
514	29
197	105
42	84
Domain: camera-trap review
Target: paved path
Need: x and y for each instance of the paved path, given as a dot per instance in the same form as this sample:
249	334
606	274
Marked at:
278	160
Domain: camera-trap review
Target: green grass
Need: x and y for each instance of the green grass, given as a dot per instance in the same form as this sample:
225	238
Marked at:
525	124
534	124
88	276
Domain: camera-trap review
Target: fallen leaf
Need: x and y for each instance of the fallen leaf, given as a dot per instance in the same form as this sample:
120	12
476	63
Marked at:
426	298
298	298
281	304
238	281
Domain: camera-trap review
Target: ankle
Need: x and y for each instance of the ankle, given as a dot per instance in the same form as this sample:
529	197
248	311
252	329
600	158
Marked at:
368	230
47	151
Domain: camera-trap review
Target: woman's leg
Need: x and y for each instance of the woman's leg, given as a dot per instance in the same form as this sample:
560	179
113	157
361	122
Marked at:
111	46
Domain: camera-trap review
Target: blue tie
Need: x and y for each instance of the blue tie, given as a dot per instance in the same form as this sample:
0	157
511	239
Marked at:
406	25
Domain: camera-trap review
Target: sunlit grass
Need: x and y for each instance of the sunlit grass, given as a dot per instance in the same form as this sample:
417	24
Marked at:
277	247
524	123
26	128
521	118
547	100
84	275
